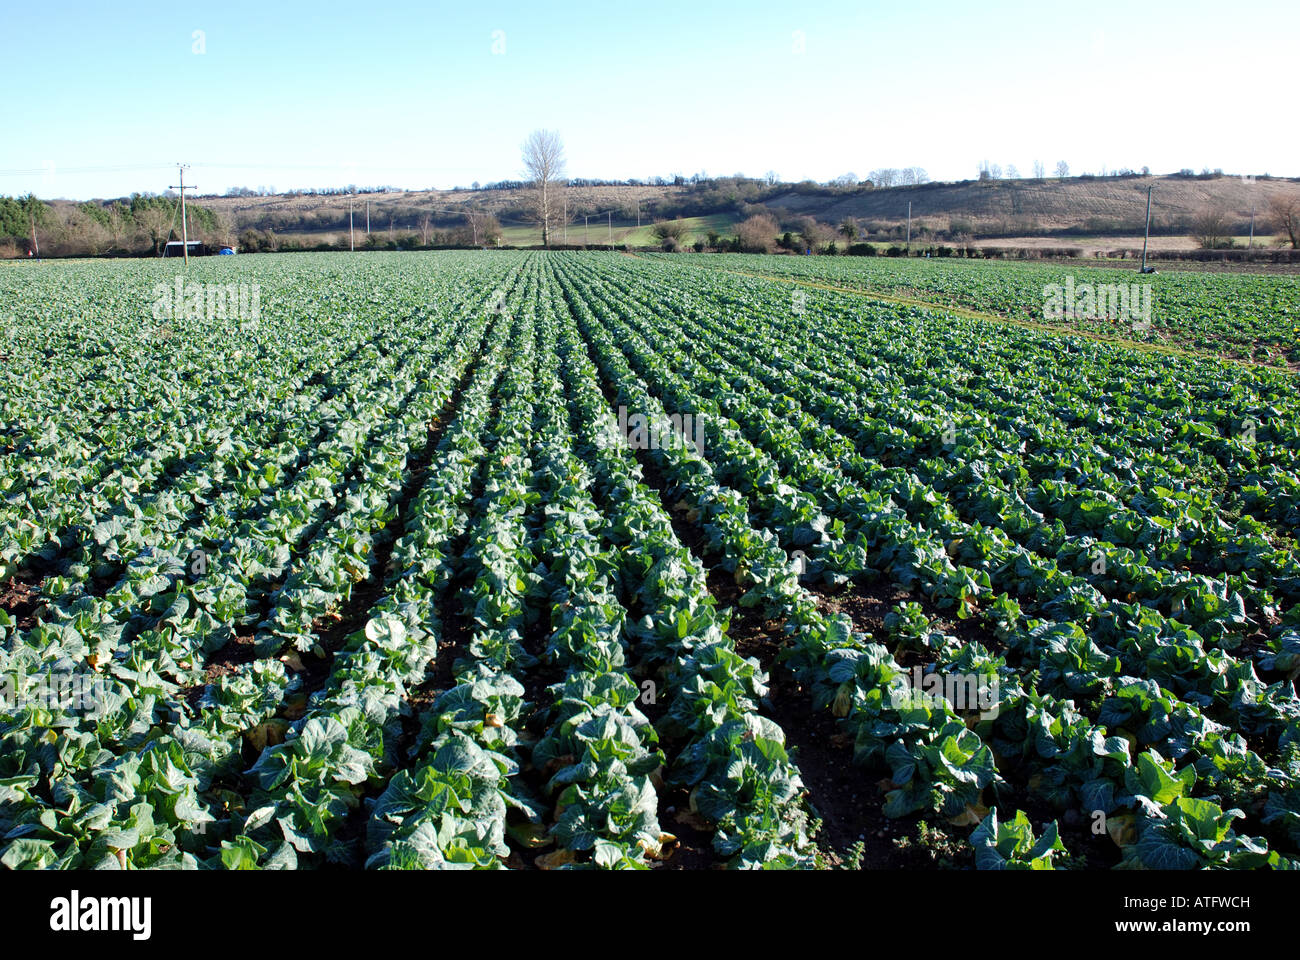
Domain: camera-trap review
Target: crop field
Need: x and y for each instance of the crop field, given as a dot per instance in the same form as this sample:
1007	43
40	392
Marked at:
1244	316
507	560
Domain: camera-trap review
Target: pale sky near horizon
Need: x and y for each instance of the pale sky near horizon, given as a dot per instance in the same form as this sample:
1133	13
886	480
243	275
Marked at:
105	98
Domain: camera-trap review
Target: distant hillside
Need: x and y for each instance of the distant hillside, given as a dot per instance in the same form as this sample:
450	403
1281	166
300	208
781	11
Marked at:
1026	207
1110	206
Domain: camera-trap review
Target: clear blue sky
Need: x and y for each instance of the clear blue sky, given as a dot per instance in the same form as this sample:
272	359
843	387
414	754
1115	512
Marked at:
102	96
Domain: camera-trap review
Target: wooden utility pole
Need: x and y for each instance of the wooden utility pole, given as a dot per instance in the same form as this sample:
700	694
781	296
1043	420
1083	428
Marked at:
367	218
566	218
609	217
585	218
1147	237
185	234
909	228
352	237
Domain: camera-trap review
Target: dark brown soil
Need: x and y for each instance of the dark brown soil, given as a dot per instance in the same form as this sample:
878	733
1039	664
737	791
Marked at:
20	598
238	651
844	796
694	847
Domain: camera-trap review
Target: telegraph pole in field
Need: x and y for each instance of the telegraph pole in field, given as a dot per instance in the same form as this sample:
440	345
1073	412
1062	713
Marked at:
185	235
909	228
1147	236
352	237
609	217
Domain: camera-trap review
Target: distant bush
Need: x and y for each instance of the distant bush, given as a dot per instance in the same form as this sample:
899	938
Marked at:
669	230
862	250
757	234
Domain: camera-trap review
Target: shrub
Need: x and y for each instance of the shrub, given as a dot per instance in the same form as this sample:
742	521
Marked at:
757	234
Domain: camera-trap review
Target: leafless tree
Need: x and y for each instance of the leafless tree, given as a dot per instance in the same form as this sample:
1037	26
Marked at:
478	223
154	223
757	234
544	161
1210	227
222	230
1012	172
1040	171
815	235
1284	212
117	227
1062	169
489	228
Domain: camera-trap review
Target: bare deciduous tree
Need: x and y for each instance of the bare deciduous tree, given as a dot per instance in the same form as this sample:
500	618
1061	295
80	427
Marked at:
757	234
1040	170
483	228
544	161
1209	227
813	234
117	227
1284	213
1062	169
155	224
